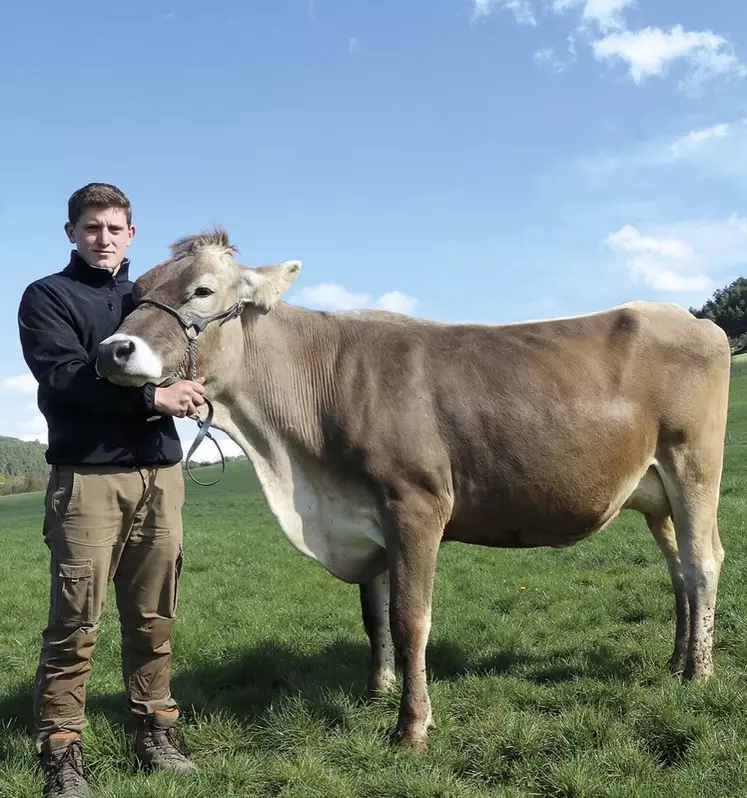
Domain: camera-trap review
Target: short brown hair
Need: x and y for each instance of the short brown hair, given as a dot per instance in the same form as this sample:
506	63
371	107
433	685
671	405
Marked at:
97	195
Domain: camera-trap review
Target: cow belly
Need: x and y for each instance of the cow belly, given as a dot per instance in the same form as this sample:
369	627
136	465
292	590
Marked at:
556	520
331	520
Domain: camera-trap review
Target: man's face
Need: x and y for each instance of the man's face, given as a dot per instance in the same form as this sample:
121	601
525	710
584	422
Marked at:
102	236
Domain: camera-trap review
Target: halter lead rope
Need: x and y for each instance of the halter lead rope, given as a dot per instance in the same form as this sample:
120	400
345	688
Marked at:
193	327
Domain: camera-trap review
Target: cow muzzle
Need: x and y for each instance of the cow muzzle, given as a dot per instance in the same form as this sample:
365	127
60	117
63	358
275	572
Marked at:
128	360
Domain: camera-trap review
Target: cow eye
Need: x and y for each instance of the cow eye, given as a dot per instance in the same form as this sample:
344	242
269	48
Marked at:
203	290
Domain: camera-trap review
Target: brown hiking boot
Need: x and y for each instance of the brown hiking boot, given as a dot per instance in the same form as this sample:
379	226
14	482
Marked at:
64	768
160	744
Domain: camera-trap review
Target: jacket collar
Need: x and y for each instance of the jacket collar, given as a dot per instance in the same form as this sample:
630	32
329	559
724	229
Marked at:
81	270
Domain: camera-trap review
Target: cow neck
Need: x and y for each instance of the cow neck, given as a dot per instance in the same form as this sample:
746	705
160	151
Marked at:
289	371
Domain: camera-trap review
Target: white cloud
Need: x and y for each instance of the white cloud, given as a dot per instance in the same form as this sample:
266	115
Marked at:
521	9
353	44
483	7
606	13
35	437
658	262
662	278
24	383
630	240
547	58
331	296
687	257
697	138
397	302
543	56
646	52
649	52
718	244
33	429
666	165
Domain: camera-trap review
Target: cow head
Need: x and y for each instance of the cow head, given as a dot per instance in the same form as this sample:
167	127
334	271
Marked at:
193	294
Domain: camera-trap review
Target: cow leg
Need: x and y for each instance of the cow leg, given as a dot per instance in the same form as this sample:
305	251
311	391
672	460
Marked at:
713	571
701	567
412	590
696	493
375	610
412	573
664	534
718	549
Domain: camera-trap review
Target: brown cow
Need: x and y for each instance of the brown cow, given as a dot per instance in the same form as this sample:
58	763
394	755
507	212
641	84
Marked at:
376	436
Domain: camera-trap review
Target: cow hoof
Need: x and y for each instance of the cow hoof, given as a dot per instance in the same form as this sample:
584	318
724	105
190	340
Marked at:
407	741
676	664
381	685
696	670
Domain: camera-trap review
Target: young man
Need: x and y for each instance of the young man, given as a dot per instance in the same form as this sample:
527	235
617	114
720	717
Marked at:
114	501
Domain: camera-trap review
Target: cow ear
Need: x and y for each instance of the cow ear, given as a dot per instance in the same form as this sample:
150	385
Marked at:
263	286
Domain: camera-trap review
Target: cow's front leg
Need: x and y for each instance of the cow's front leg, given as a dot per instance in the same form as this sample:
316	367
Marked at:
375	610
412	572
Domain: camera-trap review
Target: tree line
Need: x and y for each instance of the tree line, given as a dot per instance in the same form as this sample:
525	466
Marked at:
18	458
728	308
23	467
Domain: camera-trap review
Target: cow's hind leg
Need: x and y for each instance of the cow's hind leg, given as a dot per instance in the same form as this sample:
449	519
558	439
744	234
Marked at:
662	529
702	567
375	610
718	549
694	493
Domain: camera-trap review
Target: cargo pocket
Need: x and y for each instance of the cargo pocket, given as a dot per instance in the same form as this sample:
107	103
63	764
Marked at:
65	491
74	606
51	488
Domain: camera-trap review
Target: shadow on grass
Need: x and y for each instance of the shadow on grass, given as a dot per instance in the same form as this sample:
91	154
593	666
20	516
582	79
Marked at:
16	708
602	664
447	662
17	705
245	682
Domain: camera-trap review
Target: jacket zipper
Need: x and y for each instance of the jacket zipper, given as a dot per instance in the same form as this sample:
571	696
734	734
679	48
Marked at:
110	302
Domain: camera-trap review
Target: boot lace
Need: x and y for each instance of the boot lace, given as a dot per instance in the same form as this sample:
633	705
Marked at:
169	742
66	769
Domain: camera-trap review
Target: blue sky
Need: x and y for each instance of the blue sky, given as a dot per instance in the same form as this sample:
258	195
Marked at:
462	160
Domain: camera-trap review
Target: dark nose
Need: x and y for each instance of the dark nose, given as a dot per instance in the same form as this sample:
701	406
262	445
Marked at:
122	351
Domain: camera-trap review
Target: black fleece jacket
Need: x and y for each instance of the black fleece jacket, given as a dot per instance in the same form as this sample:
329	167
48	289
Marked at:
62	319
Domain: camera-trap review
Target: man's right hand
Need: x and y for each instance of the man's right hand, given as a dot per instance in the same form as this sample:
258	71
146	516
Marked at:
180	399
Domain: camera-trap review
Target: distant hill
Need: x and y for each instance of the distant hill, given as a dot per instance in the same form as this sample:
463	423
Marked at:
19	458
22	466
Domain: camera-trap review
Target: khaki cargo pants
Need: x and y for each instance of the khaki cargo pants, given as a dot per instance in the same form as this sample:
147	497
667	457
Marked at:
105	524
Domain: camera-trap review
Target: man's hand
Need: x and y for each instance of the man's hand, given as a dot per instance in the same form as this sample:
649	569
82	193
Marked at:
180	399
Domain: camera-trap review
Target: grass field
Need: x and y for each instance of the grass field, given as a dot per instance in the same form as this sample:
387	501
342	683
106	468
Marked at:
547	668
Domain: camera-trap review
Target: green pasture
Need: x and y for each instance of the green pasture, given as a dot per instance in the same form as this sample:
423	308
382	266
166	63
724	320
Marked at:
547	667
